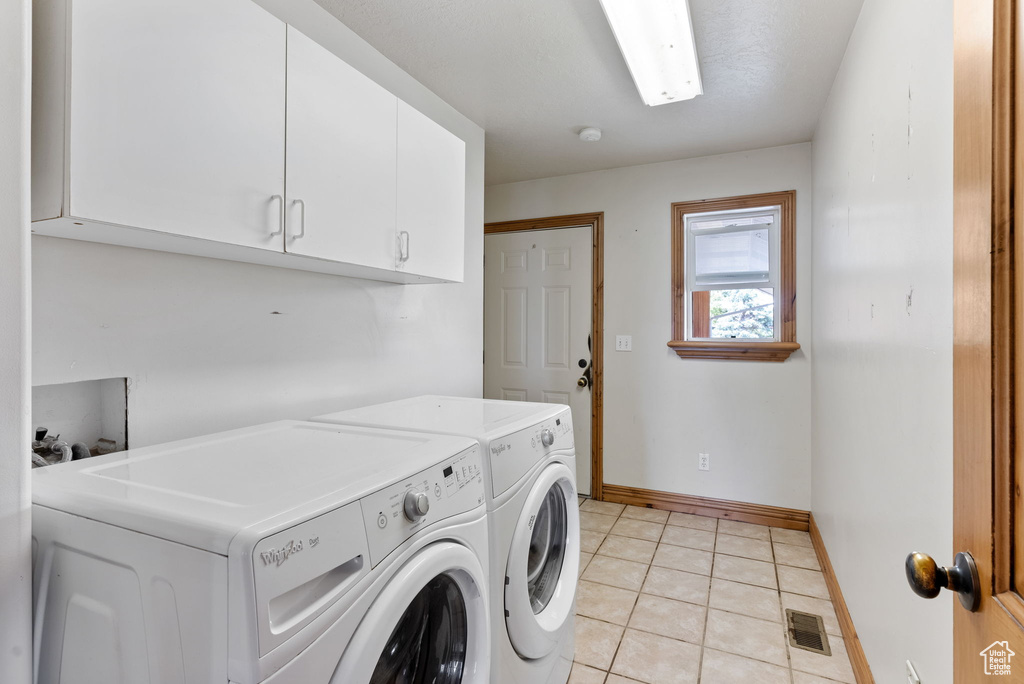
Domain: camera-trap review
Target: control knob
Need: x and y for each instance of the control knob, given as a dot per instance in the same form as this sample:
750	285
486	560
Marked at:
547	437
416	505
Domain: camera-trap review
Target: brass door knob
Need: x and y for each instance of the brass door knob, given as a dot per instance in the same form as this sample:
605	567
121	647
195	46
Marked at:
927	579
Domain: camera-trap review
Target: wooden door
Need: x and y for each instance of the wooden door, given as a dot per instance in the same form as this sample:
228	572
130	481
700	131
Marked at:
431	197
537	324
988	356
176	117
341	160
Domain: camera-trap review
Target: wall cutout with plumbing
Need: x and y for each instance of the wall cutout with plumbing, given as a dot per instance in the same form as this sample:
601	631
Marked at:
79	419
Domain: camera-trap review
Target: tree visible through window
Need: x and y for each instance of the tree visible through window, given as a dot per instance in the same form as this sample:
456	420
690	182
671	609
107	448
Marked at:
742	313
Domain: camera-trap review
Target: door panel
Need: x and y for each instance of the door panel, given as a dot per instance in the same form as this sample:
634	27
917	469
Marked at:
988	333
514	327
557	398
342	144
537	321
557	318
177	117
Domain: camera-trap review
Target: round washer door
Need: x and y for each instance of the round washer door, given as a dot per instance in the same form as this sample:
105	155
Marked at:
428	626
543	562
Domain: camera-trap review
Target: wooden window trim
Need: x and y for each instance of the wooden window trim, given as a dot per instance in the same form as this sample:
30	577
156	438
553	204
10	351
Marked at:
743	350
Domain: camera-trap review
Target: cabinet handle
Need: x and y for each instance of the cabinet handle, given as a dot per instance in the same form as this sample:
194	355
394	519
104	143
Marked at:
403	246
280	214
302	219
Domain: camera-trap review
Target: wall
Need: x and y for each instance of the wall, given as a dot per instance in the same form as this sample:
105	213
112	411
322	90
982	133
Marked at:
882	369
211	345
15	544
660	411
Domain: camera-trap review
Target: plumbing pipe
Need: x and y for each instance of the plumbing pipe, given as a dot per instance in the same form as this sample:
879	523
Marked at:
63	449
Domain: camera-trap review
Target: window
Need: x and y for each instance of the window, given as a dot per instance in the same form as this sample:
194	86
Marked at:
734	278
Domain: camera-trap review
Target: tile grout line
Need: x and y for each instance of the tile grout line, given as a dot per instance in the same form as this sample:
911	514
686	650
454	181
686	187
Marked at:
788	667
611	663
707	611
785	625
706	605
607	672
664	526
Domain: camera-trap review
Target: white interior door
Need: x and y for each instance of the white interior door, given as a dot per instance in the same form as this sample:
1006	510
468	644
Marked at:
537	323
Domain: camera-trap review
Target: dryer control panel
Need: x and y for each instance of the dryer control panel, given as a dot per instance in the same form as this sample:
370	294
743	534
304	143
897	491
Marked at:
513	455
396	513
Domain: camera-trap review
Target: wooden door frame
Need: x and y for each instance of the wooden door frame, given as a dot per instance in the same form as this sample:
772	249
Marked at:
596	222
986	323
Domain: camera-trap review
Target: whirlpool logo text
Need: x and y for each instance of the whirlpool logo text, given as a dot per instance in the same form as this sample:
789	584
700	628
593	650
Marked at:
277	557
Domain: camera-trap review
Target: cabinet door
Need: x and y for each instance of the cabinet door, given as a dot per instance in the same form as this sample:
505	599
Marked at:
341	160
177	117
431	197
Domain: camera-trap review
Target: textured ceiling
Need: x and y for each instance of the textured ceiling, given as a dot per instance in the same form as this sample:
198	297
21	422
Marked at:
532	73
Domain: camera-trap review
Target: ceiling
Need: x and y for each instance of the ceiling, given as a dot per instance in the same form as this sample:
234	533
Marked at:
532	73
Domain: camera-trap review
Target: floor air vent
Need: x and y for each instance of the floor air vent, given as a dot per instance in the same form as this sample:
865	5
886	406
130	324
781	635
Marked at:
807	631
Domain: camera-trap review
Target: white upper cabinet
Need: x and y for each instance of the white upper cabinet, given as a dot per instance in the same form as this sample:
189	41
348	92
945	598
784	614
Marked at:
177	118
341	160
213	128
431	197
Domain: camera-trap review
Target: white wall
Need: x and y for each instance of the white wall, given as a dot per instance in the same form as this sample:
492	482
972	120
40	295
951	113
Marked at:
883	273
661	410
210	345
15	559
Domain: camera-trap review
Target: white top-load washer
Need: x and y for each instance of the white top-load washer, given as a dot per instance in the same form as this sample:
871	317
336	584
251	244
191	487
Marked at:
288	553
533	520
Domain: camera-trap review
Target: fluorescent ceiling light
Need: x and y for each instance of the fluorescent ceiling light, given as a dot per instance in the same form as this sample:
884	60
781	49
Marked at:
656	38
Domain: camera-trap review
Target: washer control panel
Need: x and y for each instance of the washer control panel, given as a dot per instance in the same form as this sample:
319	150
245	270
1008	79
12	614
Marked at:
396	513
513	455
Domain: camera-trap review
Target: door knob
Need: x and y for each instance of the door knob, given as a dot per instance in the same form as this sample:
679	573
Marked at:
587	379
927	579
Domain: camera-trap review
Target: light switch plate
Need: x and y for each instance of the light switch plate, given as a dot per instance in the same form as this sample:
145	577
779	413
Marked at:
623	343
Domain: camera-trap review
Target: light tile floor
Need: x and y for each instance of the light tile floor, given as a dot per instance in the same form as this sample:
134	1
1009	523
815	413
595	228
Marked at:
667	598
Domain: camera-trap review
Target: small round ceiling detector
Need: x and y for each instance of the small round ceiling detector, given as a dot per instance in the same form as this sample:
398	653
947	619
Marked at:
590	134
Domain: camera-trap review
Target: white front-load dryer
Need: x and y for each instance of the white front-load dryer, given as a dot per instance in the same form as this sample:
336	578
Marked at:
533	520
289	553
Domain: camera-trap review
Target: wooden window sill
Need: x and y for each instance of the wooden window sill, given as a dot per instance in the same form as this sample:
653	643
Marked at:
734	350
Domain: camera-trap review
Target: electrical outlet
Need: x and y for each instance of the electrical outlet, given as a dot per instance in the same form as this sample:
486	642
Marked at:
703	462
624	343
912	677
